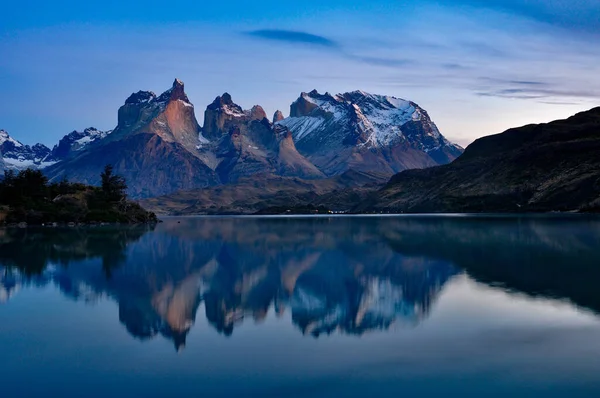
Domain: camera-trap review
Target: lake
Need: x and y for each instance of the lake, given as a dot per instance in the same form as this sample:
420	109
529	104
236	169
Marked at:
303	307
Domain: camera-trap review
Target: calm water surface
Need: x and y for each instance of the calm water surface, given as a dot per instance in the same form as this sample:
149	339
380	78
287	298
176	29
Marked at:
303	307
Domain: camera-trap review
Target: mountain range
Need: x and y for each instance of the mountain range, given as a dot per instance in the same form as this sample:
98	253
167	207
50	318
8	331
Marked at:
536	168
160	148
354	152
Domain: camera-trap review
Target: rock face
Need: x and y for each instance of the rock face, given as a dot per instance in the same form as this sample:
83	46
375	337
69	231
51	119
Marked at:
546	167
366	132
154	146
223	114
219	117
16	156
170	115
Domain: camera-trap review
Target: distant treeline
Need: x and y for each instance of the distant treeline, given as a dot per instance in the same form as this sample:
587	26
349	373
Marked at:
28	196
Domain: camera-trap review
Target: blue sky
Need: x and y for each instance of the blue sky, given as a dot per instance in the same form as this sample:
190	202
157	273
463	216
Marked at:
478	66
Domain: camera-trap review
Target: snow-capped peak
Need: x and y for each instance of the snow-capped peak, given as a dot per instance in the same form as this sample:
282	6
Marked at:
233	110
6	138
88	136
175	93
17	156
378	119
76	141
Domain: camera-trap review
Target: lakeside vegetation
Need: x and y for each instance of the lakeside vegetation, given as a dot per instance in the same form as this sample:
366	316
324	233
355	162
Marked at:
28	197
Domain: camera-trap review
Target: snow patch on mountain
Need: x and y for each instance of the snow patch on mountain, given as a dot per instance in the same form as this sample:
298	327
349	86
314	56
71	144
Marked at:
88	136
5	137
23	163
234	110
17	156
77	141
187	104
302	126
329	104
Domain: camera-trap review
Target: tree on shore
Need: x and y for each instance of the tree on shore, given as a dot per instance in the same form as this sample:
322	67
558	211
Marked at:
114	186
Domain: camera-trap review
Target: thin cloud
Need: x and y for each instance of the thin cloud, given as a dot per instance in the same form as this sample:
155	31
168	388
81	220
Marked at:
481	49
514	82
527	83
381	61
533	93
294	37
581	15
305	38
454	66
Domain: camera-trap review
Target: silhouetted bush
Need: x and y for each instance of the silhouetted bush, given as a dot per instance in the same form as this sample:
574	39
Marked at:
28	197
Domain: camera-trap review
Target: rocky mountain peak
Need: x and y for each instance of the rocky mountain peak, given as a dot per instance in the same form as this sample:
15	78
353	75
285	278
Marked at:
225	104
170	115
219	116
223	113
178	92
141	97
278	116
303	106
39	148
175	93
225	99
257	113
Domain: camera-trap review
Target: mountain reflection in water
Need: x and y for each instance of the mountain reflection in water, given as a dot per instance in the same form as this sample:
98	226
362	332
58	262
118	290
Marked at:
343	274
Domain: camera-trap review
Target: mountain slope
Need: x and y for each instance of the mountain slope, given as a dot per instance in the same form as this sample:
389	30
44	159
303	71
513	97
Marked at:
366	132
546	167
154	146
252	194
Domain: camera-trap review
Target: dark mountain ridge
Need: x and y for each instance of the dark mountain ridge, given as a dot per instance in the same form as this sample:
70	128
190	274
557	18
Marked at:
535	168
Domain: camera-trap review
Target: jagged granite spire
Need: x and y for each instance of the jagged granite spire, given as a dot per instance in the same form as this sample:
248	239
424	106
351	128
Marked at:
278	116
